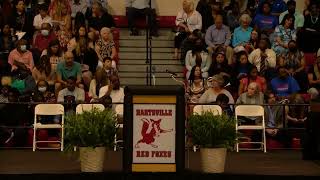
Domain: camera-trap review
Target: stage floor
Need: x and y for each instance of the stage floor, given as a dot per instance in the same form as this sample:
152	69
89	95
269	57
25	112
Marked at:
281	162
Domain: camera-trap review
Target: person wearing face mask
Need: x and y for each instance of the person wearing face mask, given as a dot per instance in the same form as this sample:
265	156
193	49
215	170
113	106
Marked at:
44	37
284	85
21	57
198	56
294	63
216	87
42	93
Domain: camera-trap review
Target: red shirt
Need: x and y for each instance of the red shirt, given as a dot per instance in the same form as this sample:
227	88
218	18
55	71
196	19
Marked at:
42	42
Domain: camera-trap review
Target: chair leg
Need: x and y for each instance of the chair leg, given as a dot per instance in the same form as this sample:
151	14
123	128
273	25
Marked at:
34	140
115	143
264	141
62	139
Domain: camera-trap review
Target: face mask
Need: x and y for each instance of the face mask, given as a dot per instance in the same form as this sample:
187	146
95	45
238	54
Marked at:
42	89
23	48
45	32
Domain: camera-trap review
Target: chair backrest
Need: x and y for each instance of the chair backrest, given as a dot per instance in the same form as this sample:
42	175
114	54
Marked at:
88	107
49	109
249	110
200	109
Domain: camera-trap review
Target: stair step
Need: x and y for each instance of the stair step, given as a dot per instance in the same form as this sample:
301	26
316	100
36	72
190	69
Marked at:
159	38
155	62
142	43
142	32
143	49
133	55
142	81
142	68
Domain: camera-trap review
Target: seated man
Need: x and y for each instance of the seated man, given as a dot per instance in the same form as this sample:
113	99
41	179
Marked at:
264	58
136	8
219	36
42	17
71	94
68	68
42	39
284	85
98	18
107	66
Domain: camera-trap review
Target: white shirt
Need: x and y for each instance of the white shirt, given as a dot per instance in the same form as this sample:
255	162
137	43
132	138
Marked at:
117	96
77	93
255	58
81	7
193	22
38	20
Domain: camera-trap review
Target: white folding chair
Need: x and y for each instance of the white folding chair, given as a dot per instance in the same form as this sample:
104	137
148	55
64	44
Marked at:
52	110
88	107
200	109
251	111
119	112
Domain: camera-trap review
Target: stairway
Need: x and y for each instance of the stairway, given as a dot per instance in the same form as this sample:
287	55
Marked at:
132	54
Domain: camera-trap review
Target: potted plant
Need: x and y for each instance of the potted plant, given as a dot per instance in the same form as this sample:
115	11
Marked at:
214	134
92	131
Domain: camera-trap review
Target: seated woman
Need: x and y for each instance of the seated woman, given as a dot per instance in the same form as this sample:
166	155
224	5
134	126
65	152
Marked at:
54	53
43	71
100	80
7	43
252	77
88	59
43	93
242	34
198	56
197	85
253	42
294	62
80	33
216	88
284	33
105	47
187	21
242	66
220	66
314	79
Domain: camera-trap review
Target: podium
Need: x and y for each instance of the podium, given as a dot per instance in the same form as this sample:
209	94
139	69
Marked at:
154	129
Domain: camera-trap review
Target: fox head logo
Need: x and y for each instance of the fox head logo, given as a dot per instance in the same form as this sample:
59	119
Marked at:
150	129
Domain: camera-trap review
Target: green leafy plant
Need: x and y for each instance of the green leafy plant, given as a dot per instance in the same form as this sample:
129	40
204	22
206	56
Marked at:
90	129
212	131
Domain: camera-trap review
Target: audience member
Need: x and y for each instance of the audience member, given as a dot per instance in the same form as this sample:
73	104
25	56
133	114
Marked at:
265	22
25	84
99	18
21	21
197	85
54	53
68	68
253	42
42	17
7	39
188	44
216	88
294	62
220	66
198	56
100	80
78	22
242	66
21	57
233	15
298	17
314	79
284	85
264	58
242	34
223	101
187	20
105	47
141	8
284	33
205	10
78	6
81	33
43	71
71	94
109	69
44	37
43	93
277	6
219	36
252	76
252	96
113	90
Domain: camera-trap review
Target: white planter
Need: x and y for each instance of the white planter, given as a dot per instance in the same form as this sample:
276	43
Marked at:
213	159
92	159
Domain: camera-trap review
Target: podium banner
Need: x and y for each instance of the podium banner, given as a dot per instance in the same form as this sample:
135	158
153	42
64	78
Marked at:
154	133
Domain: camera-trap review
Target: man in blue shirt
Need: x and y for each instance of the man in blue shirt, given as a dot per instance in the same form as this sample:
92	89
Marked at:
277	6
265	22
284	85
